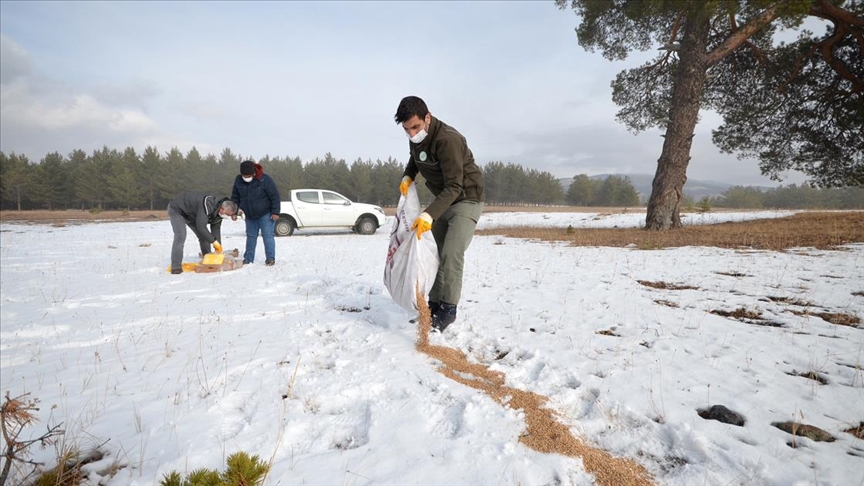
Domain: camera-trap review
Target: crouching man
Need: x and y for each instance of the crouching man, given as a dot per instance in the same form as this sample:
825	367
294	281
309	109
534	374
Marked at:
197	210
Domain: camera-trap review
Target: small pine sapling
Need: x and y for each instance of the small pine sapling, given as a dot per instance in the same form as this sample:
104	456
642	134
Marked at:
243	470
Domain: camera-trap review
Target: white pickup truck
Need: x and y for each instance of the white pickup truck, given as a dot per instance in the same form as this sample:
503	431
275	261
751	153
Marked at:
320	208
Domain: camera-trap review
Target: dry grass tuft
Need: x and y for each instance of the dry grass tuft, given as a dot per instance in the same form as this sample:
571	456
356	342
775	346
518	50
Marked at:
666	303
823	230
544	433
858	432
733	274
740	313
838	318
16	414
789	300
811	375
804	430
748	316
69	471
666	286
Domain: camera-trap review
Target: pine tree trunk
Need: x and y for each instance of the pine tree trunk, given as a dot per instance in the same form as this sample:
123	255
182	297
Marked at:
667	190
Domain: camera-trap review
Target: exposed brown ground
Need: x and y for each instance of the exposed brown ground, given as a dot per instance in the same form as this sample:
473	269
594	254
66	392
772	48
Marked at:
822	230
81	216
75	216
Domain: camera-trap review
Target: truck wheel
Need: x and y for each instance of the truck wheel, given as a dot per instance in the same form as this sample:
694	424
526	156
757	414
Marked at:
284	227
367	226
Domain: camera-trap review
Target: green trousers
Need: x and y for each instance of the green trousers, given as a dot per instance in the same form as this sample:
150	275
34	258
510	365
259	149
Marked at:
453	232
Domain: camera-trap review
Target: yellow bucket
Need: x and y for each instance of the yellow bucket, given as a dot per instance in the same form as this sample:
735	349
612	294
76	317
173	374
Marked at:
213	259
187	267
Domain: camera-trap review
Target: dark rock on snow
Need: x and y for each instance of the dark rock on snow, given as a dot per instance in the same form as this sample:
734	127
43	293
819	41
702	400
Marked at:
723	414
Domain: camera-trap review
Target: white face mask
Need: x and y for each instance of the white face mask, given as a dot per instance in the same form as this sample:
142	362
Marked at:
247	179
418	137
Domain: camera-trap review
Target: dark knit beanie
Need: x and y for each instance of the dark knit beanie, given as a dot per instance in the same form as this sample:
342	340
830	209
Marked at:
247	168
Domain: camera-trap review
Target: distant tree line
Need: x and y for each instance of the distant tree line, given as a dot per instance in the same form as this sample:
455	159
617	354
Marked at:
512	185
611	191
112	179
790	197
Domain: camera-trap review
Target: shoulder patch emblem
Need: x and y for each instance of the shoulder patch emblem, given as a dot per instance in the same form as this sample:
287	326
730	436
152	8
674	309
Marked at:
423	156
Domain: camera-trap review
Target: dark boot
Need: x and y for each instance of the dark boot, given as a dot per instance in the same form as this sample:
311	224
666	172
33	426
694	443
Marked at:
433	307
444	316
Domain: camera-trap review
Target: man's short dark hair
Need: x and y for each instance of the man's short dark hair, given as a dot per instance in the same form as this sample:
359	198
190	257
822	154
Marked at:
410	106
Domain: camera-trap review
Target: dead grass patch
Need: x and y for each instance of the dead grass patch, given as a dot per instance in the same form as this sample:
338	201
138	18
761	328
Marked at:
838	318
740	313
748	316
733	274
804	430
600	210
543	433
822	230
810	375
607	332
350	308
666	286
789	300
666	303
858	432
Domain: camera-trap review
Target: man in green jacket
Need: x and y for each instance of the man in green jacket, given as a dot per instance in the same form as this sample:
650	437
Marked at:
441	155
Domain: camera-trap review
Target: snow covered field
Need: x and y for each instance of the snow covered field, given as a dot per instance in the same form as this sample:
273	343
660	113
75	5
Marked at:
311	364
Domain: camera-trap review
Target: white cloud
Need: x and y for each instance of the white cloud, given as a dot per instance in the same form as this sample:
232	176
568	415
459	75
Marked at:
81	111
14	61
41	115
305	78
135	93
202	110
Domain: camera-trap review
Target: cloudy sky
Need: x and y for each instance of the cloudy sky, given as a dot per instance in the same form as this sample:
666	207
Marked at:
306	78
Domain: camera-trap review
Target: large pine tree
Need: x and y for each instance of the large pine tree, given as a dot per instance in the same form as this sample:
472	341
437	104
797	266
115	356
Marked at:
796	106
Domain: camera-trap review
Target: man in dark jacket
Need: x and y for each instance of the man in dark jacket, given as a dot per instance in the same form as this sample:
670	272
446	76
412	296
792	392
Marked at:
441	155
197	210
257	196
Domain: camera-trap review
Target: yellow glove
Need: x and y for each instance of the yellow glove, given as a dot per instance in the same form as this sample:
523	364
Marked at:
404	185
423	223
217	246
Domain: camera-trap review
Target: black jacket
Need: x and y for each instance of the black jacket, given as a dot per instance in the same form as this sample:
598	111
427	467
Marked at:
257	198
199	210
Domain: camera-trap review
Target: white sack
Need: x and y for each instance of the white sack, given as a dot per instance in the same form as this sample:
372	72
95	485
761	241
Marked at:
410	261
